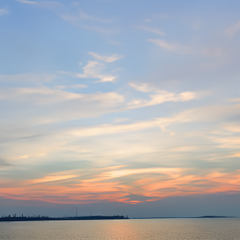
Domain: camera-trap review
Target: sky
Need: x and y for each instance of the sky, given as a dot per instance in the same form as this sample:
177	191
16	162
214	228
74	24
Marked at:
120	107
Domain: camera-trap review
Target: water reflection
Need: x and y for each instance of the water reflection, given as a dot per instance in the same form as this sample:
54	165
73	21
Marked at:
158	229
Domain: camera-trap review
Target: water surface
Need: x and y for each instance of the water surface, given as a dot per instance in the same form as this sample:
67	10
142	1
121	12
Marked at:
150	229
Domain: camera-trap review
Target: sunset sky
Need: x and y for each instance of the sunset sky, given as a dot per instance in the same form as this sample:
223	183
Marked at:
120	107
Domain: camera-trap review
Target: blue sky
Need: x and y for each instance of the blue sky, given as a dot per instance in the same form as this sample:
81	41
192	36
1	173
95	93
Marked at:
133	103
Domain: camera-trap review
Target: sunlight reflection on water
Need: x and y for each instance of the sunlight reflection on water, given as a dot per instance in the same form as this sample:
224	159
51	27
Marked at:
151	229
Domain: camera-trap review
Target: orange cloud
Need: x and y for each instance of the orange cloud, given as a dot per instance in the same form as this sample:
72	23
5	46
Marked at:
150	183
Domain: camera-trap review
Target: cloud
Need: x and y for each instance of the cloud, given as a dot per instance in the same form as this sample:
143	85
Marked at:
213	51
143	87
159	97
26	1
45	95
4	163
143	184
27	78
129	172
161	123
80	15
118	120
73	14
234	100
237	155
227	142
193	115
232	127
114	129
71	86
3	11
153	30
56	177
41	105
93	70
42	95
233	30
107	59
174	47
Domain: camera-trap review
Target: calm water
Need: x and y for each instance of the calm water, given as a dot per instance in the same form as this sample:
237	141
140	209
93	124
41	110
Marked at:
165	229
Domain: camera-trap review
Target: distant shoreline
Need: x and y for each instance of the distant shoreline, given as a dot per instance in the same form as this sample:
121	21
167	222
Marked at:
185	217
46	218
42	218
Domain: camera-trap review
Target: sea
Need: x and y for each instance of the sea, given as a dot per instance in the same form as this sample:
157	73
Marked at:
132	229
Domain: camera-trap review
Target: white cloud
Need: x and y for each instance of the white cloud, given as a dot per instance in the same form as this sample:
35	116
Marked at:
160	96
27	77
153	30
71	86
118	120
44	95
174	47
74	15
3	11
227	142
205	114
232	127
114	129
43	105
107	59
143	87
93	70
194	115
233	30
213	51
26	1
185	149
80	15
234	100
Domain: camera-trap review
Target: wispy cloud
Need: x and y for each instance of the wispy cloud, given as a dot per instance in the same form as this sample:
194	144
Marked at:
107	59
160	96
174	47
46	95
71	86
26	1
56	177
3	11
28	78
142	87
51	95
110	185
153	30
93	70
73	14
114	129
233	30
3	163
232	127
81	15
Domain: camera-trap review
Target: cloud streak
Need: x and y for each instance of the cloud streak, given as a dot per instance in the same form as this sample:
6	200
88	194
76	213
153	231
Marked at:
151	183
159	97
93	70
173	47
26	1
107	59
153	30
3	11
233	30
